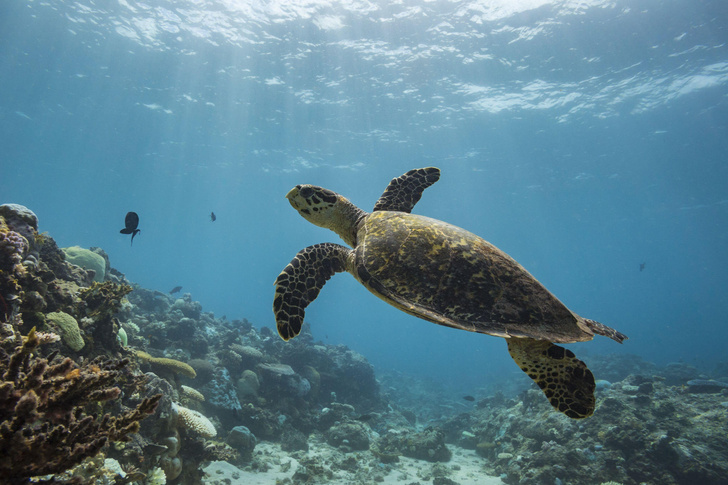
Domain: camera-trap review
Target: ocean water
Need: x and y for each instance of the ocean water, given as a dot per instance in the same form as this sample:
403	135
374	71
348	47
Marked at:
582	138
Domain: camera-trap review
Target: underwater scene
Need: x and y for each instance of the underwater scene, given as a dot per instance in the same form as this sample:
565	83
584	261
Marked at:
530	198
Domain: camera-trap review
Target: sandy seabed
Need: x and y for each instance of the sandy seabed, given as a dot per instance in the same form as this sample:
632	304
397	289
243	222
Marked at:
464	468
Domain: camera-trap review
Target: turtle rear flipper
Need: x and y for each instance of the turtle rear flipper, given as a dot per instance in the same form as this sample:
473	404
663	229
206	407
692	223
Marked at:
566	381
301	281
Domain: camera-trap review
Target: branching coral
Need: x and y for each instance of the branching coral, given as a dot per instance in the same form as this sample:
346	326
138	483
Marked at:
103	300
44	428
100	302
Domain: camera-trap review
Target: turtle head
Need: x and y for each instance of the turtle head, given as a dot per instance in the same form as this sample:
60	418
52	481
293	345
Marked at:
326	208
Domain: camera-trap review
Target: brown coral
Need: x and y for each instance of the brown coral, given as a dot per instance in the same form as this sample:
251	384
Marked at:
171	365
44	428
103	300
191	393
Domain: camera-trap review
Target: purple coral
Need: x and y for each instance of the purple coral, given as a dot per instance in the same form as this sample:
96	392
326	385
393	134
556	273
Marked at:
13	245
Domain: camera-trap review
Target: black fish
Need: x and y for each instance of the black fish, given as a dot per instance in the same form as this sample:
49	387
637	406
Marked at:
213	218
469	398
131	221
175	290
642	266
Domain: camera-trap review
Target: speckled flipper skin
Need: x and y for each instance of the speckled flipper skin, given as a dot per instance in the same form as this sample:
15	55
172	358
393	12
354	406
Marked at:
300	282
405	191
566	381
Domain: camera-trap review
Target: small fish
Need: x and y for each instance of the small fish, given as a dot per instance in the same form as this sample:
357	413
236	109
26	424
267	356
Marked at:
213	217
175	290
642	266
469	398
131	221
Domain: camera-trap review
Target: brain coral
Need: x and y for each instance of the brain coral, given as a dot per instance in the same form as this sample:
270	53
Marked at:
87	260
194	421
68	327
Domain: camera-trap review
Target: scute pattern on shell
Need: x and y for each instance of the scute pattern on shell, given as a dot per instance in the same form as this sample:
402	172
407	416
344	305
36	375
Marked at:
450	276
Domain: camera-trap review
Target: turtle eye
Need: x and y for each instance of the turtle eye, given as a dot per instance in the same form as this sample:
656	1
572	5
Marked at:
306	192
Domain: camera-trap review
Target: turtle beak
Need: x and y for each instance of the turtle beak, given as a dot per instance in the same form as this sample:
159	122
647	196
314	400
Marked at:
291	196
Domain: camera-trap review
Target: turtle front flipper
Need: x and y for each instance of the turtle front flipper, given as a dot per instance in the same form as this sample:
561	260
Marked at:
405	191
300	282
566	381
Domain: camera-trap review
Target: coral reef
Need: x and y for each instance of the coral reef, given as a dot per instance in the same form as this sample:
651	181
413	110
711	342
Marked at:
167	365
44	428
68	329
242	440
428	444
349	436
88	260
310	411
194	421
643	431
190	393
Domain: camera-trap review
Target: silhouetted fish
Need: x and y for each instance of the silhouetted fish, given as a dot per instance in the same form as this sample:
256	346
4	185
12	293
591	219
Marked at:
642	266
469	398
213	217
131	221
175	290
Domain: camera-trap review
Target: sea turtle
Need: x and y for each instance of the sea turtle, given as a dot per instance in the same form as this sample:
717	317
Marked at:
442	274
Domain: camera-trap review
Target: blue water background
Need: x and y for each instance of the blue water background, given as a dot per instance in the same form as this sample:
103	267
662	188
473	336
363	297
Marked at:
583	138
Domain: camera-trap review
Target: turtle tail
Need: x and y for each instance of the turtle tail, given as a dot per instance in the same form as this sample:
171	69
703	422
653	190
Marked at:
601	329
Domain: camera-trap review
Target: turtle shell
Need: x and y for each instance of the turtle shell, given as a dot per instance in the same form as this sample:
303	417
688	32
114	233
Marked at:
447	275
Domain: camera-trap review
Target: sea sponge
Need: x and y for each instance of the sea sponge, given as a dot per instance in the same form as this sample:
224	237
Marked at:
192	420
68	327
169	364
192	393
87	260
